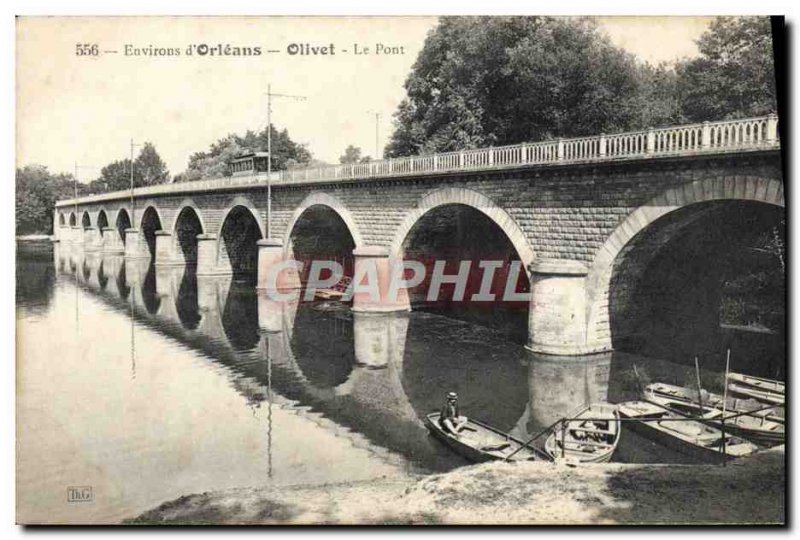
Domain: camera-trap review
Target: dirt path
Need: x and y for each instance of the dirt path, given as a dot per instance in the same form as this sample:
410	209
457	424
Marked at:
748	491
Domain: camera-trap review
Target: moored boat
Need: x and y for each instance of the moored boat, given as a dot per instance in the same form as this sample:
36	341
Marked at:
334	293
591	438
328	294
769	385
683	434
757	429
732	405
480	442
765	396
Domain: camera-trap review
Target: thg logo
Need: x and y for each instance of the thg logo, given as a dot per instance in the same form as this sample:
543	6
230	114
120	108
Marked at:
79	494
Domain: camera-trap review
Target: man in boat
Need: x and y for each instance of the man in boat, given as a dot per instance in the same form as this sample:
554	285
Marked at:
450	418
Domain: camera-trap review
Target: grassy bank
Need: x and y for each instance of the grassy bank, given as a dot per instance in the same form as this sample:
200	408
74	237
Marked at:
750	490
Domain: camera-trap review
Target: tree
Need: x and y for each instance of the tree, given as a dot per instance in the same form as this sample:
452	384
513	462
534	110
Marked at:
115	176
215	162
484	81
734	77
149	169
37	191
352	154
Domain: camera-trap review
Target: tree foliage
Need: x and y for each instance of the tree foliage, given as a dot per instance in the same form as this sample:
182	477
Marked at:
352	154
484	81
734	76
149	169
37	191
215	162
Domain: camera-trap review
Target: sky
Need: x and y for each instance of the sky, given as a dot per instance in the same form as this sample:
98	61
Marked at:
85	110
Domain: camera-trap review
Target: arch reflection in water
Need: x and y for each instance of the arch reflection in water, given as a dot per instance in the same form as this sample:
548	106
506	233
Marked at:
367	377
559	387
186	305
240	316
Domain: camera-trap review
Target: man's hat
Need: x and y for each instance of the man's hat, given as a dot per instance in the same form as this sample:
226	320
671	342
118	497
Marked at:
452	395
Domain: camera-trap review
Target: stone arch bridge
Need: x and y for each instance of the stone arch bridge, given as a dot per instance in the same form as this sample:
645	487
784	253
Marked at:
570	208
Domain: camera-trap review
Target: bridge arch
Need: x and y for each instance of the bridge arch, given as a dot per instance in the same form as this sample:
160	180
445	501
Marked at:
102	220
188	224
240	201
122	222
149	223
599	279
61	220
239	231
73	221
323	199
86	220
473	199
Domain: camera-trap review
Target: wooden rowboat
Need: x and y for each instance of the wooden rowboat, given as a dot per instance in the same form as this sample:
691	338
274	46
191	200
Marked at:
769	385
765	396
591	438
686	436
479	442
328	294
334	293
757	429
713	401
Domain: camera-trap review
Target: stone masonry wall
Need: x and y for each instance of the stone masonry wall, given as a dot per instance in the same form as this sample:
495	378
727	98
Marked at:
564	212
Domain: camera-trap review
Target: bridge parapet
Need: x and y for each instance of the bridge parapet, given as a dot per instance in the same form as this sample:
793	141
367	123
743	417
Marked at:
709	137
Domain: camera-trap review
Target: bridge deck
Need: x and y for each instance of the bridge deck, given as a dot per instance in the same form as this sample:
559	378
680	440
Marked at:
686	140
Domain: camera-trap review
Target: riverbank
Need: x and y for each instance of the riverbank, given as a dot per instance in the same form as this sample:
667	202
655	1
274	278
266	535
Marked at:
750	490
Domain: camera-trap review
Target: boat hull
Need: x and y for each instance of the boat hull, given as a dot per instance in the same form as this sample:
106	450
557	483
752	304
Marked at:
679	394
765	396
657	429
769	385
753	428
478	431
587	451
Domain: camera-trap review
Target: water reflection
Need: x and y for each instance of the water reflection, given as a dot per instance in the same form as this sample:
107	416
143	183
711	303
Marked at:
559	387
370	378
185	300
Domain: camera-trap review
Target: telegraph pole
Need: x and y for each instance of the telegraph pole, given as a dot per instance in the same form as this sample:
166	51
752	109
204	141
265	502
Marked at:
270	95
133	209
378	154
75	189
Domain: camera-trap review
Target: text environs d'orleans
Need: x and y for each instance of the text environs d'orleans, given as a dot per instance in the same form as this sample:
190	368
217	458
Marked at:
194	49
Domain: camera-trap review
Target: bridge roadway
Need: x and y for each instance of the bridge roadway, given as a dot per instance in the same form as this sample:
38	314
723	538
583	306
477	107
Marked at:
569	208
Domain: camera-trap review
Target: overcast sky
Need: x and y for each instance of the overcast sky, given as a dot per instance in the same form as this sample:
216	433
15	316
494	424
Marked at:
85	109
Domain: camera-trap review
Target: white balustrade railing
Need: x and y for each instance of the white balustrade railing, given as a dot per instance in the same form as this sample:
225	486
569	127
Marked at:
747	133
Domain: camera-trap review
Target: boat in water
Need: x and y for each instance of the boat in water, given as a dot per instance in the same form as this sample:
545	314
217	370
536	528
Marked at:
479	442
732	405
683	434
591	437
765	390
770	385
334	293
753	427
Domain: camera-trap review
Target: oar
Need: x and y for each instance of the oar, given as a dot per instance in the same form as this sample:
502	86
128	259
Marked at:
725	391
699	387
724	403
638	380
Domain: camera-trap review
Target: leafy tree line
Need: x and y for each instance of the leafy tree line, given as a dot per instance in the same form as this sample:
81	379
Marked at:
286	154
149	169
37	191
484	81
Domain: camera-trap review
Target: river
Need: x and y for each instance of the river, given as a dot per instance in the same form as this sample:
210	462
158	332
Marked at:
147	383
